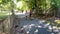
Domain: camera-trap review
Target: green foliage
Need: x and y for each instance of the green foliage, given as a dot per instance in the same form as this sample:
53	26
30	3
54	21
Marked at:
40	6
3	15
4	4
56	3
7	4
4	1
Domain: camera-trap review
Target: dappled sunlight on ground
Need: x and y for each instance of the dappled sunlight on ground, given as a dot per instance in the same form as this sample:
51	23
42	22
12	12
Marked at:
37	26
57	21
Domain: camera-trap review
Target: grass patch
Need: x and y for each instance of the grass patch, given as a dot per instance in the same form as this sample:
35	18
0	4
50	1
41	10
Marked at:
3	15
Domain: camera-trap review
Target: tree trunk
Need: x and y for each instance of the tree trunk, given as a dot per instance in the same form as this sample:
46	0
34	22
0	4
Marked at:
12	12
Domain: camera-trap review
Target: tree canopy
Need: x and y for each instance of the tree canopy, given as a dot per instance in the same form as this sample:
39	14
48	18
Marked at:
29	4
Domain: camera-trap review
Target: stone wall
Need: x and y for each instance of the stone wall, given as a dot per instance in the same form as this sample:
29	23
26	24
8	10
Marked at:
5	26
13	22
